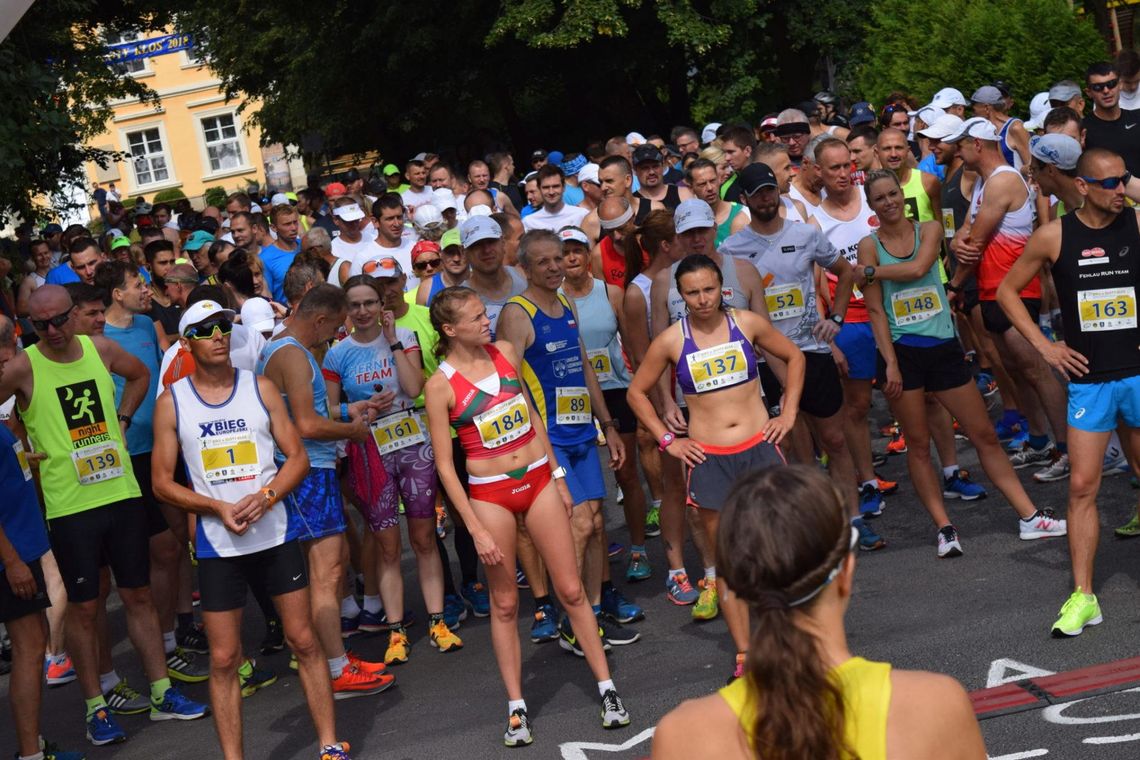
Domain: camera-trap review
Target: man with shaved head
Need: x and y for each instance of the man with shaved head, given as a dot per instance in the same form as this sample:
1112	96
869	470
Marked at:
615	174
479	175
922	191
616	221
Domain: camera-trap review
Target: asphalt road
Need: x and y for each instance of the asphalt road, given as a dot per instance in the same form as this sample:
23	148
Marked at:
958	616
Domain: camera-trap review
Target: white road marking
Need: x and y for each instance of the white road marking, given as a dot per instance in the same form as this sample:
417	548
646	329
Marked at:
577	750
1112	739
997	675
1022	755
1054	713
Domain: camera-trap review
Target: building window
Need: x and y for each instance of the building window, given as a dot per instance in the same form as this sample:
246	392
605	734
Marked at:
148	157
127	68
223	144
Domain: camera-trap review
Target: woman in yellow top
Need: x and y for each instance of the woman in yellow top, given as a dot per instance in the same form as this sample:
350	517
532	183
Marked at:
785	545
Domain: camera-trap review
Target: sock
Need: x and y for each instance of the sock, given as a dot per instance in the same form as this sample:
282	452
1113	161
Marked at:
655	504
949	472
515	704
539	601
1011	417
710	575
245	670
38	756
158	690
873	483
168	642
607	586
434	618
1063	448
604	686
108	681
1038	442
348	607
337	665
185	620
95	704
674	573
635	549
1030	518
373	605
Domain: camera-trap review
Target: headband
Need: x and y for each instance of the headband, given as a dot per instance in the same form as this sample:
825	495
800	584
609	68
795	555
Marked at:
793	128
613	224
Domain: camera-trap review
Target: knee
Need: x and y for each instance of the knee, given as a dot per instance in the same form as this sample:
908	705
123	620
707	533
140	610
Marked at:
423	544
83	613
505	604
832	439
1083	488
389	547
136	598
224	659
570	591
165	551
302	641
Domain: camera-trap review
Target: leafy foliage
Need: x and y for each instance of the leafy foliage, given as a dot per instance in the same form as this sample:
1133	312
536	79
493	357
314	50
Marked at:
168	195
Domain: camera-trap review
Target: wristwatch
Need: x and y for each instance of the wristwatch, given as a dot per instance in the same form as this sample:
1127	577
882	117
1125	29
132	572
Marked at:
559	473
666	439
269	495
836	319
869	273
397	346
125	419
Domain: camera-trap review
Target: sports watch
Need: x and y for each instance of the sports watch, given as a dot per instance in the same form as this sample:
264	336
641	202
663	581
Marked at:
666	439
869	274
558	473
269	495
836	319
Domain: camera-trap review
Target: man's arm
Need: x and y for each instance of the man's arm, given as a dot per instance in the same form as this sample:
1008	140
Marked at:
164	459
515	327
126	366
287	438
289	371
750	278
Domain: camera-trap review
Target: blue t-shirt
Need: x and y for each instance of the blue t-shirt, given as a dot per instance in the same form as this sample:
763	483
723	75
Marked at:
572	196
61	275
141	341
21	517
527	210
277	262
366	368
931	166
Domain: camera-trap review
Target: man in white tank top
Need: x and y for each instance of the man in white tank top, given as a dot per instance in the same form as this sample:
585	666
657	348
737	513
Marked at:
227	425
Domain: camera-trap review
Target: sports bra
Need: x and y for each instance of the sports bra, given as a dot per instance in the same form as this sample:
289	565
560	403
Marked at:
489	424
728	364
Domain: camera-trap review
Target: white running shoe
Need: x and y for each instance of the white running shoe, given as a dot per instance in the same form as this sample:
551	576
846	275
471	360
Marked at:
948	544
1058	470
1043	524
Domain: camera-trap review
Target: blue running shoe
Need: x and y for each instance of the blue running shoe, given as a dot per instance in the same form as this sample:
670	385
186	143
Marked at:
1006	430
1019	441
959	486
869	540
370	622
615	550
617	607
454	611
475	594
638	569
987	386
520	577
102	728
870	501
175	706
52	752
349	626
545	626
680	591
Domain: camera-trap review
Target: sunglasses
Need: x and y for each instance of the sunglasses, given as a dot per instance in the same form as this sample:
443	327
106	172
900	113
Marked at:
420	266
206	330
1102	86
1110	183
58	321
388	266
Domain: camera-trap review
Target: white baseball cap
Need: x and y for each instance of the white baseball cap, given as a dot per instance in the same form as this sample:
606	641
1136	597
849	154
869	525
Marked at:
279	199
1039	108
443	199
1057	149
708	134
427	215
478	228
574	233
589	173
635	139
978	127
691	214
942	127
202	311
349	212
257	314
928	113
948	96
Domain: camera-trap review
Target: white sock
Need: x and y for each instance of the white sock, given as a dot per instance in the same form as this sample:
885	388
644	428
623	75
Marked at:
655	503
38	756
373	604
604	686
710	575
168	641
515	704
337	665
949	472
108	681
348	607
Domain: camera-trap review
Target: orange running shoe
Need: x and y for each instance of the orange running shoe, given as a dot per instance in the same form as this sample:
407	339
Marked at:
353	682
365	665
886	487
897	445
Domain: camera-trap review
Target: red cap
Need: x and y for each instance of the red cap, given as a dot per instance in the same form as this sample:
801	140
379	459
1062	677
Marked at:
425	246
335	190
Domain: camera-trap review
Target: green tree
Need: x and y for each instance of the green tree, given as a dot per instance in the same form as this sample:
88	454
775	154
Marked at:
920	46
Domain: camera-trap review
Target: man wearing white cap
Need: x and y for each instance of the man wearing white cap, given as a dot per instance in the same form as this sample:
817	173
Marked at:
555	213
951	101
989	243
591	186
1039	108
708	134
482	239
1013	140
444	200
1054	166
350	219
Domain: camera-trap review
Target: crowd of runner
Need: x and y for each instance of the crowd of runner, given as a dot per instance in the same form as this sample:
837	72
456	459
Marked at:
206	403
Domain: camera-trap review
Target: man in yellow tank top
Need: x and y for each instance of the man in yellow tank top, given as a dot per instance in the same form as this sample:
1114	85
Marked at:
922	191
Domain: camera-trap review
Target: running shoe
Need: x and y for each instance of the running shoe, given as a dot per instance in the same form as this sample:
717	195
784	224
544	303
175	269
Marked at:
367	622
870	501
253	678
653	521
52	752
897	445
293	664
616	607
1043	524
1080	610
454	611
183	666
638	568
615	550
398	646
987	386
890	430
365	665
1006	430
123	700
192	638
441	637
102	729
195	598
518	729
354	682
1018	442
617	634
614	714
959	434
1029	456
680	591
1130	529
869	540
59	672
274	640
707	606
350	626
886	487
1058	470
545	625
176	706
959	486
1114	463
948	544
475	594
440	521
520	577
568	641
338	751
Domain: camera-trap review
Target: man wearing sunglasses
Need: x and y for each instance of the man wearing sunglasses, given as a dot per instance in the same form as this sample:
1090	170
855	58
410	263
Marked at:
454	270
1109	126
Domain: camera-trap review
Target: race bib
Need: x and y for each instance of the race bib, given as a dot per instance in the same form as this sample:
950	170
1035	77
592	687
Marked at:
98	463
600	361
230	457
22	458
398	431
572	406
504	422
948	222
717	367
784	301
914	305
1107	309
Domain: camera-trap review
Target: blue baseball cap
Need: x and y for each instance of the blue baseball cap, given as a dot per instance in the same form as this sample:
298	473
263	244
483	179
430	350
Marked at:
861	113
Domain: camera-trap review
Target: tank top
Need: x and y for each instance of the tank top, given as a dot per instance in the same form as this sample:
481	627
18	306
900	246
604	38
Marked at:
1011	156
1096	276
613	262
229	451
724	229
435	286
71	417
642	213
321	453
955	204
495	306
1007	243
725	365
845	236
866	690
732	294
599	329
489	424
795	194
793	213
917	201
645	285
916	308
553	371
672	197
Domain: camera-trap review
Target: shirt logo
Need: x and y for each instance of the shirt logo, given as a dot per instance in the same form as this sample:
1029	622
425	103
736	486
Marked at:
221	427
83	413
1092	252
873	222
1093	257
787	249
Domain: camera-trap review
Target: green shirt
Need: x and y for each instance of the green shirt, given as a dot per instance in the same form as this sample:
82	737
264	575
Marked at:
418	320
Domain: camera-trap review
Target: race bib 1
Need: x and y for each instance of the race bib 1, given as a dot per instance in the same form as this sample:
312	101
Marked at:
22	458
98	463
600	361
717	367
1107	309
784	301
231	457
398	431
504	422
914	305
572	406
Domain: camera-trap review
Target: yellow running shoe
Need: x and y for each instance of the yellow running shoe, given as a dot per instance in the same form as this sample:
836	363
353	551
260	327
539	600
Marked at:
398	647
707	606
443	639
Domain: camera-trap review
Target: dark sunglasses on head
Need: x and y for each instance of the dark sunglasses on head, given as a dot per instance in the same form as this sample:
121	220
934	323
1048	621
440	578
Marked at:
205	330
1110	183
1102	86
420	266
58	321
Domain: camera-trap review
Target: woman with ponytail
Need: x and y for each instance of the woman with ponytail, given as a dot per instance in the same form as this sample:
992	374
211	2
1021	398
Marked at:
786	549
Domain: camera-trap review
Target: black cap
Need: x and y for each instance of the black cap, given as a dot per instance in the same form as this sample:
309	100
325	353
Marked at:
672	150
644	153
754	177
538	155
